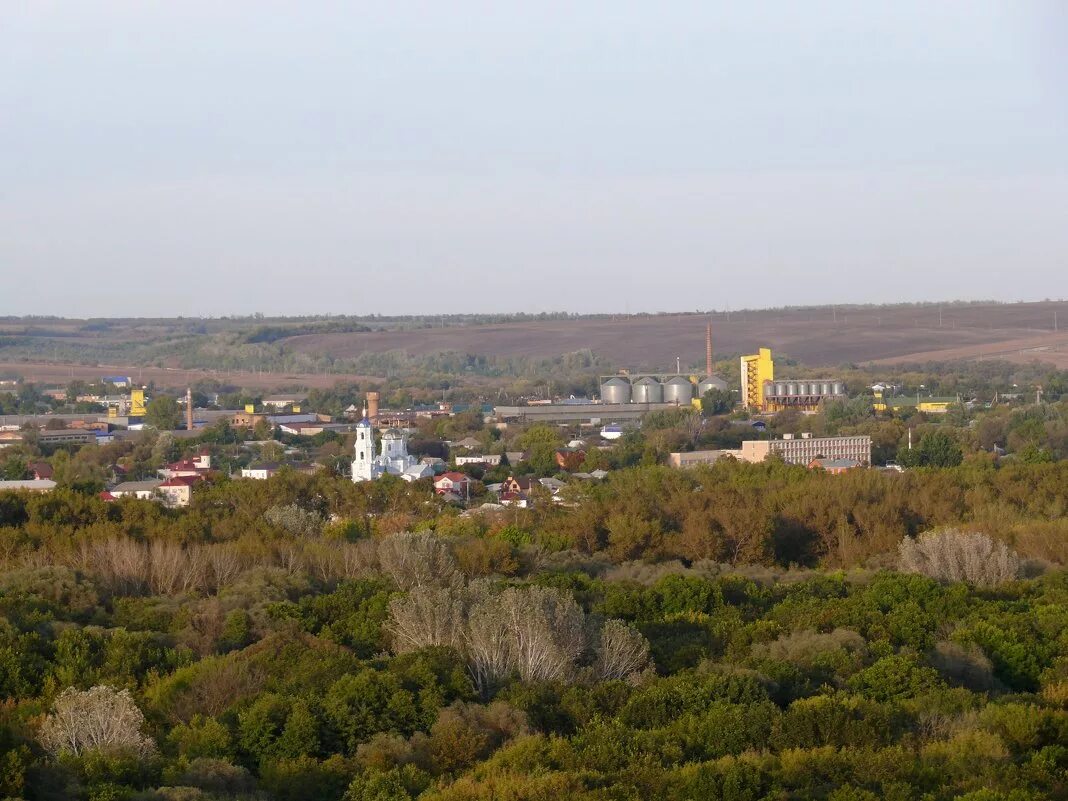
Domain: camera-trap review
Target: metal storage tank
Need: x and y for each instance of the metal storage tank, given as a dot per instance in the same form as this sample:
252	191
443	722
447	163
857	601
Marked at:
791	389
825	388
780	388
648	390
678	390
615	390
839	388
710	382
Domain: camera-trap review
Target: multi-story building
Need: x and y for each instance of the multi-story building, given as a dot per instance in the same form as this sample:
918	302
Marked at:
806	448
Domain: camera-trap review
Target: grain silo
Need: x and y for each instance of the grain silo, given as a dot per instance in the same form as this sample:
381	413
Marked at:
710	382
648	390
678	390
615	390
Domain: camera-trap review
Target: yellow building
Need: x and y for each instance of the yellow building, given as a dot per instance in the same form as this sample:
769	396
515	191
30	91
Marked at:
930	405
756	369
137	403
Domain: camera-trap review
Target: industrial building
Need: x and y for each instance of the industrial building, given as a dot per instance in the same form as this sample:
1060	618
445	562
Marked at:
762	392
897	403
589	413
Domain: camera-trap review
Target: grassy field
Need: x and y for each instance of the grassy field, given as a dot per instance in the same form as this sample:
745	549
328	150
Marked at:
814	336
317	352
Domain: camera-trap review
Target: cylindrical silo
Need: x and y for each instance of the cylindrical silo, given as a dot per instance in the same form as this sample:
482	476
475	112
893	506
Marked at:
648	390
825	388
839	388
710	382
678	390
791	388
615	390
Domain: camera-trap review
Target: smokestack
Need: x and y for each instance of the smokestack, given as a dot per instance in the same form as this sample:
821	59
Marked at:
189	408
372	405
708	348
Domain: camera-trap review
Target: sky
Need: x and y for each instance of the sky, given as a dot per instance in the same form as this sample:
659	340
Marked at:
206	158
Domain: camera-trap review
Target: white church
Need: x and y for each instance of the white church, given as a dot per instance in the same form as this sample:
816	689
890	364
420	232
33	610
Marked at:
393	458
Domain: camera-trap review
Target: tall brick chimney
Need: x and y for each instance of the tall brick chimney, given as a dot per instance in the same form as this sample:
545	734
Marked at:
708	349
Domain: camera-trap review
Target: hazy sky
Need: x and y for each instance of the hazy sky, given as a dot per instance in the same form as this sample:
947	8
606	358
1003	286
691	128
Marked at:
208	158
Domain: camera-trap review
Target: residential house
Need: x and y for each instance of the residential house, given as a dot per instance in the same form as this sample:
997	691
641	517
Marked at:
436	464
487	459
261	470
42	471
514	486
196	467
145	490
177	491
456	483
570	458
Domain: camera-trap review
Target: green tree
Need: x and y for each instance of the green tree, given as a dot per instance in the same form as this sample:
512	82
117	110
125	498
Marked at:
716	401
163	413
935	449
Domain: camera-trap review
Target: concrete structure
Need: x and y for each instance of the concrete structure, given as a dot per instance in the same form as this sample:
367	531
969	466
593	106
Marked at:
755	370
65	436
804	449
592	413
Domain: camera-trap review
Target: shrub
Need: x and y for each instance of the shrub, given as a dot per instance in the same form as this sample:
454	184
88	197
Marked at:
97	719
953	555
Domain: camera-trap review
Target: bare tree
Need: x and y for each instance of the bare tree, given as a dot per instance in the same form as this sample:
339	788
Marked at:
488	642
97	719
120	563
417	560
224	563
954	555
295	520
426	616
548	631
621	651
356	559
